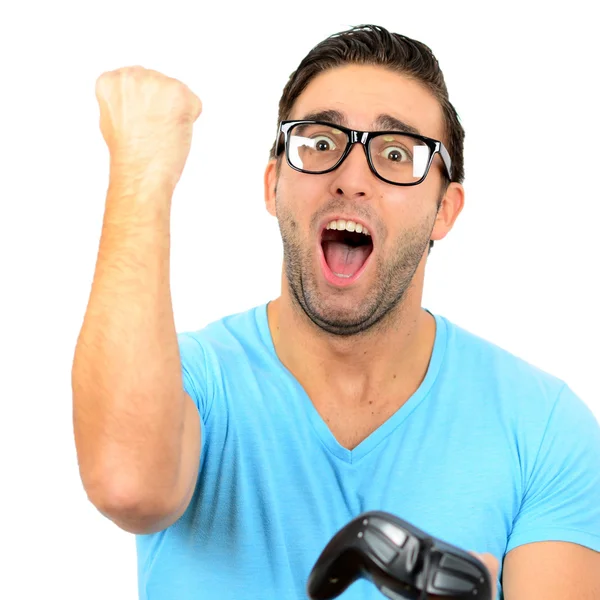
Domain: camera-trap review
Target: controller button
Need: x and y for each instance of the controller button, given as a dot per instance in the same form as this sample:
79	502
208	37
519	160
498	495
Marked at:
412	554
384	551
392	532
456	564
449	583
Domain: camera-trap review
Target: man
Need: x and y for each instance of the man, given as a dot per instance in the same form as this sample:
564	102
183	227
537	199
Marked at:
236	452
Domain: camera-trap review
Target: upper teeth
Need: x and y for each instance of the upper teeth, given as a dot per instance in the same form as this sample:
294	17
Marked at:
341	224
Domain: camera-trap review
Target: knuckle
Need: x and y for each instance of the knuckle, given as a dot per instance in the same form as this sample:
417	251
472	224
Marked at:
103	83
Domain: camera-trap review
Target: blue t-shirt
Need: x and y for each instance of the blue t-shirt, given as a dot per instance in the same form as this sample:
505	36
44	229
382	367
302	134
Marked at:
489	453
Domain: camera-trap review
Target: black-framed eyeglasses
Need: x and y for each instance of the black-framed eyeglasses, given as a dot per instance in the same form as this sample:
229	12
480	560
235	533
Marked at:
396	157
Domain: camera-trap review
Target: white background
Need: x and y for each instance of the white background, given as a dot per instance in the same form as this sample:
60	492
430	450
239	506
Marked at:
520	268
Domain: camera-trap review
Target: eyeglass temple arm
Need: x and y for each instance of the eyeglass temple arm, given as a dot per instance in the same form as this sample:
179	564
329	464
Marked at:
282	129
446	158
277	138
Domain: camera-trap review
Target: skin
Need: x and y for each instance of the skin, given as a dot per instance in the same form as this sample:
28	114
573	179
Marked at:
362	351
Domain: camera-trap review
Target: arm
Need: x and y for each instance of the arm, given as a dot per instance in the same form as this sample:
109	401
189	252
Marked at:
551	571
137	432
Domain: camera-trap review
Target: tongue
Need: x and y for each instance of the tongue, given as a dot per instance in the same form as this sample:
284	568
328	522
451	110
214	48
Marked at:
343	259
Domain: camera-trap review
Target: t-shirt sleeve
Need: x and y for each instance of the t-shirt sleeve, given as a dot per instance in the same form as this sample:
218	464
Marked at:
196	375
562	496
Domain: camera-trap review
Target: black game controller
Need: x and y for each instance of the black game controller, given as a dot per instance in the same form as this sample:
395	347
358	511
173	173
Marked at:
401	560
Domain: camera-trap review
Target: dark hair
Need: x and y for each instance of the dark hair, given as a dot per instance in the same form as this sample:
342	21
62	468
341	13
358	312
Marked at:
374	45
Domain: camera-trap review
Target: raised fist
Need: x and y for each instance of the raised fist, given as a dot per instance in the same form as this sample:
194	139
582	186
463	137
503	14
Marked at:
146	119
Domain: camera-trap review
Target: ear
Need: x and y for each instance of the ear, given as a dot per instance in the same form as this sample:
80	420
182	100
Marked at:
271	186
451	206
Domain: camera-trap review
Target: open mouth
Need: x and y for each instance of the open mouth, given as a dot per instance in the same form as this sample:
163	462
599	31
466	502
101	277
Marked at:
346	249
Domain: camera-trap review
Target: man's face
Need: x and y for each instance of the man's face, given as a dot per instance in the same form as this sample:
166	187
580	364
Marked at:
373	272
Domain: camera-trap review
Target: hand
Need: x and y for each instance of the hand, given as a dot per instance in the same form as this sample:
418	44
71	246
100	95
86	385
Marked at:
146	119
492	564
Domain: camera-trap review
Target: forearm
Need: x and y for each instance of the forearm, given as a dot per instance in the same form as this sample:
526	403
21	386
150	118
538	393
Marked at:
126	378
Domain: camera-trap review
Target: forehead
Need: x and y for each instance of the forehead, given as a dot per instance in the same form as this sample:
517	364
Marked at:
364	92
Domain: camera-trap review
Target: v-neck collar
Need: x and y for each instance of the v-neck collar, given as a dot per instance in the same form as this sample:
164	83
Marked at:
369	443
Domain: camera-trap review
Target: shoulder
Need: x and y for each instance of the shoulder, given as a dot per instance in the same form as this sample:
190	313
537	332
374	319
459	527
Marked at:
228	335
532	409
504	392
496	368
222	352
232	347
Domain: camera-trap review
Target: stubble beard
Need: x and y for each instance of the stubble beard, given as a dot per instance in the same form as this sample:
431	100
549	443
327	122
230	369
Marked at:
374	311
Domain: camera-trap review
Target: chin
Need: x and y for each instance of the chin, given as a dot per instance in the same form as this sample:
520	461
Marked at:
343	313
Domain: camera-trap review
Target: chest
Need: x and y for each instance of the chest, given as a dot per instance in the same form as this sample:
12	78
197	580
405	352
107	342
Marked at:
352	425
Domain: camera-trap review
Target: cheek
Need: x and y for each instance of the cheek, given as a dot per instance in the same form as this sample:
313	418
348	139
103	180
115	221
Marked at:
302	182
300	194
414	203
408	215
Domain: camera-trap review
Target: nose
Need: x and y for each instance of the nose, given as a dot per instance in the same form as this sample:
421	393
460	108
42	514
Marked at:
353	178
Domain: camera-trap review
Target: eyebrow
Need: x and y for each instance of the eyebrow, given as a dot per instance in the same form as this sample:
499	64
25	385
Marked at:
383	122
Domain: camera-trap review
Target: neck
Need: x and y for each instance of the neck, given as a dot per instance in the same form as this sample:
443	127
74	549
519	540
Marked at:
375	367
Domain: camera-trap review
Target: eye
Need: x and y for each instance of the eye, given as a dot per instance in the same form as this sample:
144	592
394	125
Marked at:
322	143
396	154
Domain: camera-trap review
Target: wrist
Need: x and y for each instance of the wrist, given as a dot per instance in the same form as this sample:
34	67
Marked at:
134	179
